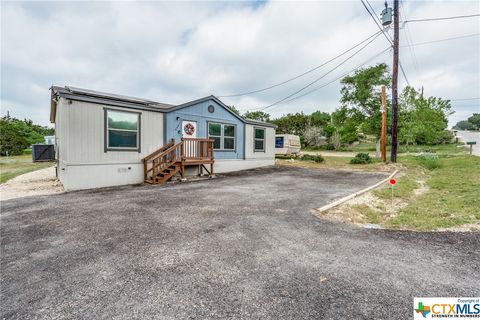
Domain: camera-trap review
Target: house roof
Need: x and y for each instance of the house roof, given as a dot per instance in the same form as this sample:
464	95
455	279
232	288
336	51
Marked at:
85	95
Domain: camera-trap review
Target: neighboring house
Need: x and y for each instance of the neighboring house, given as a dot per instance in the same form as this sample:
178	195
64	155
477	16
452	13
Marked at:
102	139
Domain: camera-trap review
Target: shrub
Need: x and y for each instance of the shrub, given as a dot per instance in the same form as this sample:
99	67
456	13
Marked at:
430	161
313	137
315	158
283	157
361	158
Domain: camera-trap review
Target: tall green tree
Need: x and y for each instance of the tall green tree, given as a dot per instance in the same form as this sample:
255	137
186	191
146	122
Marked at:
422	120
361	94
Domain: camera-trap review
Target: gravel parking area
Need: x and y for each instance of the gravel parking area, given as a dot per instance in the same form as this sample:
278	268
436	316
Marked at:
38	182
242	246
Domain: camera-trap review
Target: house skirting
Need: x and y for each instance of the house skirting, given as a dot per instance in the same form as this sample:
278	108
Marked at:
89	176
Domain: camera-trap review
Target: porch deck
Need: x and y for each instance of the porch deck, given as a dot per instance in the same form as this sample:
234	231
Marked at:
161	165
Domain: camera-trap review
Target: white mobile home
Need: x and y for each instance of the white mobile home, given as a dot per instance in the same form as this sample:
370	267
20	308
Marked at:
106	139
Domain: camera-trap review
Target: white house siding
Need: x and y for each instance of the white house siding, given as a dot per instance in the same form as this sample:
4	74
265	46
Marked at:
83	162
253	158
269	152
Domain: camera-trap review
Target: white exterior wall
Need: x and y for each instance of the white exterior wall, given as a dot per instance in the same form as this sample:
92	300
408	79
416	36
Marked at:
269	152
82	160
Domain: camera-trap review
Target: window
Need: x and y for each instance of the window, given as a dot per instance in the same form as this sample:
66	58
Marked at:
122	130
223	135
259	139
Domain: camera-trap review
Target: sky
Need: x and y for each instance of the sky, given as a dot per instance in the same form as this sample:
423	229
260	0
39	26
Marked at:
174	52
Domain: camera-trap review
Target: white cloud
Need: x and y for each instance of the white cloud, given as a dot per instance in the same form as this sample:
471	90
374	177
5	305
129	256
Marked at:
178	51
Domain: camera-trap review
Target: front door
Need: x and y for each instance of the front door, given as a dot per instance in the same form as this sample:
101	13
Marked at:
189	129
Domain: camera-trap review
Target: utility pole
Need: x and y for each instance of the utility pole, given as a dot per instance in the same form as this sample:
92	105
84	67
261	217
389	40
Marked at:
384	125
396	40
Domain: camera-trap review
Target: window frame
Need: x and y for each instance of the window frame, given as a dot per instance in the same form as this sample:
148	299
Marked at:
106	130
222	135
255	139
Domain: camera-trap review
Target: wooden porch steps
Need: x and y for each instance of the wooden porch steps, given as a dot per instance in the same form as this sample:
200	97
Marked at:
164	163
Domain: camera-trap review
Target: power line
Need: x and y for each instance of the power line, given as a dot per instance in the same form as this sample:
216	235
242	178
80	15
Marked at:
464	99
442	18
304	73
323	76
341	76
387	36
442	40
408	37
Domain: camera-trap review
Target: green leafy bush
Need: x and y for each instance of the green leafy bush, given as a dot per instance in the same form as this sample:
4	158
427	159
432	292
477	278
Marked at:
315	158
361	158
430	161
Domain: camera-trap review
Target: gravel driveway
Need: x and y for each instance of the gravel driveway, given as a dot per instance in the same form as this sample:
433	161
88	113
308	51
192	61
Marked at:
240	246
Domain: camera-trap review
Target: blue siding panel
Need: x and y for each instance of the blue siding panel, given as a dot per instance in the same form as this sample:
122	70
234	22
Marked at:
199	113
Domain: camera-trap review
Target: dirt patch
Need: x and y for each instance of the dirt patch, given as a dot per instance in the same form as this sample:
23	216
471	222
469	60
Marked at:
370	209
39	182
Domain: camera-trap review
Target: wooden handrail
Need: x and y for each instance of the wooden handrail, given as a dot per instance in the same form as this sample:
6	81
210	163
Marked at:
170	150
163	148
197	150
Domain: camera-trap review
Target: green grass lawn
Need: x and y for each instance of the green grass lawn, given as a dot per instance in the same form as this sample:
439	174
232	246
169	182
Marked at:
13	166
431	193
451	148
370	147
452	198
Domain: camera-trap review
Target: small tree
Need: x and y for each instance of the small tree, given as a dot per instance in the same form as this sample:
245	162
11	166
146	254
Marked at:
314	137
336	140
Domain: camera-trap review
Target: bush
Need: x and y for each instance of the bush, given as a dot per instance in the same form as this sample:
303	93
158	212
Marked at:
313	137
430	161
284	157
361	158
315	158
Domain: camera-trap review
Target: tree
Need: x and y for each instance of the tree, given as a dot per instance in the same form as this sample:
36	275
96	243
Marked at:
336	141
464	125
12	140
17	135
257	115
320	119
361	92
347	123
293	123
475	120
314	137
422	120
234	109
472	123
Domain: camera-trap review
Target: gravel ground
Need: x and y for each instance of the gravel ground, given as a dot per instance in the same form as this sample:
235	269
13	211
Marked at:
242	246
38	182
